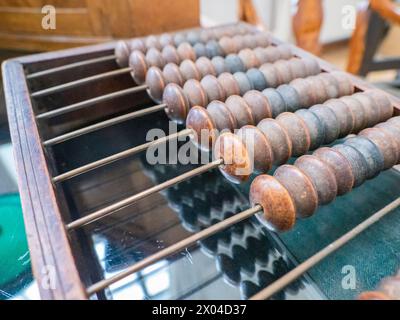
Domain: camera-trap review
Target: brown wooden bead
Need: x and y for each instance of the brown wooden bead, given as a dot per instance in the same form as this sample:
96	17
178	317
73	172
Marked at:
331	85
321	175
319	89
305	91
298	132
285	51
189	70
283	70
360	119
312	66
341	168
259	105
278	207
205	67
237	166
382	100
241	111
170	54
229	83
138	64
177	102
156	83
298	68
270	75
276	101
137	44
249	58
213	88
315	127
344	115
393	131
330	121
203	126
185	51
195	93
371	110
172	74
385	143
258	148
154	58
346	88
279	140
227	45
122	53
300	188
222	116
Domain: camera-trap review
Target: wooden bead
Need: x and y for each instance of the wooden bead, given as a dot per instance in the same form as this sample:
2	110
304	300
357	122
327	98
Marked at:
138	64
321	175
152	42
203	126
315	127
261	55
270	75
122	53
243	82
248	58
382	100
249	41
241	111
360	119
170	54
227	45
189	70
229	83
393	131
223	118
319	89
262	39
331	85
200	50
344	115
172	74
259	105
205	67
279	140
346	88
166	39
385	143
290	96
219	65
312	66
273	54
285	51
154	58
395	121
305	92
137	44
238	42
213	89
371	110
371	154
330	121
298	132
195	93
237	166
341	168
185	51
258	148
300	188
283	70
275	99
214	49
156	83
234	63
177	102
278	206
297	68
357	162
257	79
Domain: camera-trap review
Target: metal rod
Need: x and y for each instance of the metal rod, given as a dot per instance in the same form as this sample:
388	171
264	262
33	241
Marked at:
118	156
80	82
70	66
311	262
103	124
89	102
141	195
174	248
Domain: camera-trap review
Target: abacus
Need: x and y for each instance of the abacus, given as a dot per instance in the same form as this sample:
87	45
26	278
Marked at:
73	130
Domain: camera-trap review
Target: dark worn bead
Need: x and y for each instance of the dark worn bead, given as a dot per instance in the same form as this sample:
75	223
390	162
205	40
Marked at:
346	87
285	51
229	83
341	167
312	66
371	154
276	101
189	70
358	164
172	74
360	119
283	70
382	100
394	132
248	58
214	49
122	53
257	79
170	54
344	115
203	126
243	82
241	111
331	85
270	75
300	188
305	91
259	105
315	127
290	96
156	83
176	101
297	68
138	64
213	89
155	58
234	64
278	206
223	118
195	93
185	51
321	175
330	121
319	89
227	45
278	138
298	132
200	50
219	65
371	110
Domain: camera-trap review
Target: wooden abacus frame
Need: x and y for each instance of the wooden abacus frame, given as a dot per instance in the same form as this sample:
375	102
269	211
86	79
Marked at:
48	240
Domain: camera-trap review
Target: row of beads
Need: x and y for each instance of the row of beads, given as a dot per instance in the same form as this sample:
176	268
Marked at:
199	93
255	106
297	190
140	62
246	59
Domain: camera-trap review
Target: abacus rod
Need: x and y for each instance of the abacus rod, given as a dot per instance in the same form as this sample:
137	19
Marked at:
89	102
141	195
118	156
318	257
70	66
177	247
80	82
103	124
